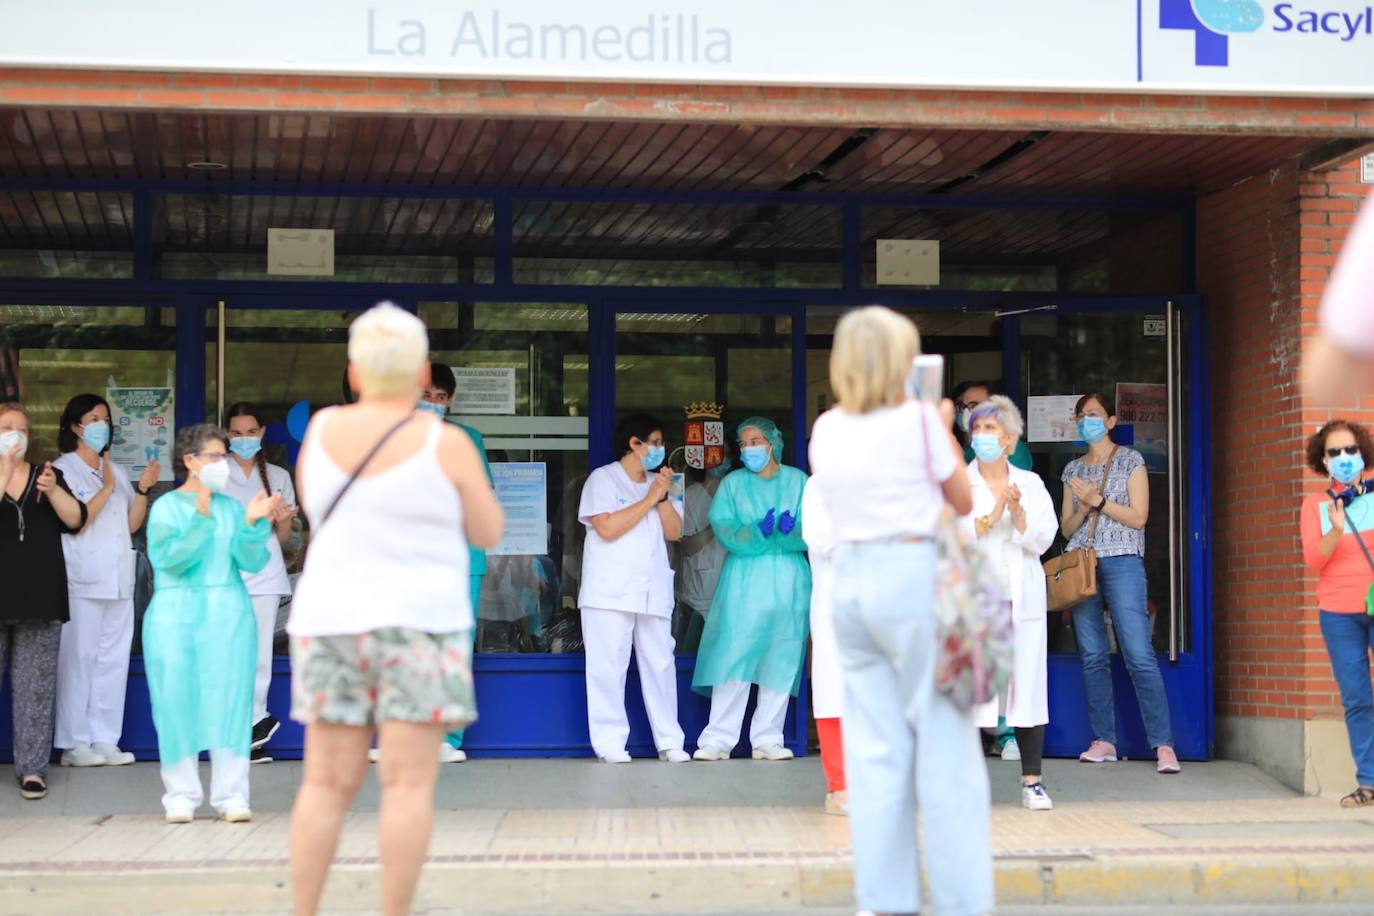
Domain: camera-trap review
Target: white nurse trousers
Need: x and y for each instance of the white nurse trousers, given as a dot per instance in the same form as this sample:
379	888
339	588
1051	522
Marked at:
92	671
228	783
265	610
608	636
728	702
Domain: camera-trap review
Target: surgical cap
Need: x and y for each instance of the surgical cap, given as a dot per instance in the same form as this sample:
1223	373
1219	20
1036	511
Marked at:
770	431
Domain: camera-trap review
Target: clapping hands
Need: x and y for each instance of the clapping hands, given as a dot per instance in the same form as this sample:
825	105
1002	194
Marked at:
769	523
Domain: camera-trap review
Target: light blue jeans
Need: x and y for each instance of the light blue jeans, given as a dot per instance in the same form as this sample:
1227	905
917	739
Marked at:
1121	586
905	741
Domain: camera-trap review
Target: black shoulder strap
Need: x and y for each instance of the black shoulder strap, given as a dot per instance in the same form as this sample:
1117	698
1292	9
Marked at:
362	465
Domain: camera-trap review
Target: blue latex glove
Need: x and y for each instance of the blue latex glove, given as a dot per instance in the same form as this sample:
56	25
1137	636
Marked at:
769	522
787	523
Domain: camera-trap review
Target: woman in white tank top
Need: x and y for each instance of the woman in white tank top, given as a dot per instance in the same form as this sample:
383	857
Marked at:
381	618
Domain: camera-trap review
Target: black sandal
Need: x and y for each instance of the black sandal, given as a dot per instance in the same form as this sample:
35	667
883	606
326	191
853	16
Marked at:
1363	795
33	788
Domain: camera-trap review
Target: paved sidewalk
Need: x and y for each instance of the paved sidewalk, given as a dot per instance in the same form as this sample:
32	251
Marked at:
577	836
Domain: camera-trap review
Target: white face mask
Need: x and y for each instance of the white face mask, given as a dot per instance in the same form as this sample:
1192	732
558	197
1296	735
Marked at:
214	476
12	437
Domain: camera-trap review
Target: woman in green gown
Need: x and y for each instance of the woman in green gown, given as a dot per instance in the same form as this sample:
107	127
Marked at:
756	631
199	633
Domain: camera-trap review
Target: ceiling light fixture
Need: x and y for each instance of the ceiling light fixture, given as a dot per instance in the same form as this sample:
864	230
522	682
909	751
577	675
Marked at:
205	165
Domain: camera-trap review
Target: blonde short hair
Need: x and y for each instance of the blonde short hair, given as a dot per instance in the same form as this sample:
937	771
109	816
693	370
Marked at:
388	346
870	360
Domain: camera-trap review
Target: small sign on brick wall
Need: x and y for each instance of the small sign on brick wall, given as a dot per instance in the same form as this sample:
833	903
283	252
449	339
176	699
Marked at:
1367	169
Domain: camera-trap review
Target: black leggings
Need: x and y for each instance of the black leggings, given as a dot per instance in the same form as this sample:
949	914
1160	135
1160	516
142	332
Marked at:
1031	742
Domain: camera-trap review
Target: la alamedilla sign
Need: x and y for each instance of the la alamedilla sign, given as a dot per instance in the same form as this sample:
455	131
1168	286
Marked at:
1308	47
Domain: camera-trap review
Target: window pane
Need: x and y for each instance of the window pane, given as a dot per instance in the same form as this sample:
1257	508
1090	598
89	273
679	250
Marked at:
665	362
528	597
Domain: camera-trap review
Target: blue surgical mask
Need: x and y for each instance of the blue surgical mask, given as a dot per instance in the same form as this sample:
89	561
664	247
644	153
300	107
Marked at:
987	447
654	458
962	415
1346	468
439	410
1092	429
246	447
96	436
755	457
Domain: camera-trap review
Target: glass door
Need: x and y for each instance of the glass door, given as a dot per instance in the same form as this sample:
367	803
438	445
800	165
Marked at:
701	371
1138	358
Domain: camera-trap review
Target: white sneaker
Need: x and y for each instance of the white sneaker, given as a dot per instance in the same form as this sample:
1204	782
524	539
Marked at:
179	815
711	753
374	754
450	754
616	757
1011	750
674	755
1035	798
82	756
236	816
114	757
772	752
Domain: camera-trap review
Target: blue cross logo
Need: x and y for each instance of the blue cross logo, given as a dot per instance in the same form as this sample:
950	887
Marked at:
1211	21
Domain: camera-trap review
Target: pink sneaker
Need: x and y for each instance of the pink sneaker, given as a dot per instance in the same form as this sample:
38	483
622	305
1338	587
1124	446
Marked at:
1099	752
1167	761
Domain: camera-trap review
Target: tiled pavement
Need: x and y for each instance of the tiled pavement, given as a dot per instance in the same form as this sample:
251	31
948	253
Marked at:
1235	839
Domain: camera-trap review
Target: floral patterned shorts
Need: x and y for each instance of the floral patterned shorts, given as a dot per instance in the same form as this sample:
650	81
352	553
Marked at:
391	673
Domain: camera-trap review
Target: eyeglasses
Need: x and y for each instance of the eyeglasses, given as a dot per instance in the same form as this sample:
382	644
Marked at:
209	457
968	405
1347	449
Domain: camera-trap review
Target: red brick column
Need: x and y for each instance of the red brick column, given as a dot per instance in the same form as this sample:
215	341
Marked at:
1265	250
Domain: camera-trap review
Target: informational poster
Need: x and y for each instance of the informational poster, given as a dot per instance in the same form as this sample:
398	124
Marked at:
521	488
483	391
1049	418
1145	407
142	429
678	491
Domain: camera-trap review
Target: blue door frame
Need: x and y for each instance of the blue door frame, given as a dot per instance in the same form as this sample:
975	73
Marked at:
535	705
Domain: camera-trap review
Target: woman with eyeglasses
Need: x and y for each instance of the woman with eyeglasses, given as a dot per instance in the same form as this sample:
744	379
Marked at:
1110	487
626	596
93	666
1334	522
756	631
200	639
250	473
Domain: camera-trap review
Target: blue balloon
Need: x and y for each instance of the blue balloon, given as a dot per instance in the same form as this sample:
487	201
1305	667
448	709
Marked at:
297	419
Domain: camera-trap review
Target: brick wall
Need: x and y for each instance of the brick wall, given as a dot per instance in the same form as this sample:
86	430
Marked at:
1265	250
664	102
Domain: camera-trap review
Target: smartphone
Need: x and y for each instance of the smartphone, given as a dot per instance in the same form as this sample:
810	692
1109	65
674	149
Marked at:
927	379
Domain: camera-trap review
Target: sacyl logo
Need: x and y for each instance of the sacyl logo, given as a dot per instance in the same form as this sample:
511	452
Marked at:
1211	21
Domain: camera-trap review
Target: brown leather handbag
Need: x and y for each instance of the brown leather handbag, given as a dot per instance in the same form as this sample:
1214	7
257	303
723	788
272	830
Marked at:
1071	577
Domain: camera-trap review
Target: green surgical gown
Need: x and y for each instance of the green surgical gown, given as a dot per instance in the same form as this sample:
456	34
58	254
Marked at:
199	633
756	631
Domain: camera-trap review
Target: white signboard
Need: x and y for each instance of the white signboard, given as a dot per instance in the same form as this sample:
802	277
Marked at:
1367	169
521	488
300	252
1050	418
1238	46
483	391
142	429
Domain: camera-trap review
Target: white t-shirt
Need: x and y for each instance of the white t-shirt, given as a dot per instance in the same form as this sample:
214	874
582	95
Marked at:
874	474
100	560
700	570
272	578
630	573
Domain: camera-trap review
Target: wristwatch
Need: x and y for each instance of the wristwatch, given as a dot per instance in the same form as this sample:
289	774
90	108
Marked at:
140	491
1101	505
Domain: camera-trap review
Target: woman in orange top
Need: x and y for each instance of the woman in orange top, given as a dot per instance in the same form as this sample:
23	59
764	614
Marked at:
1333	524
